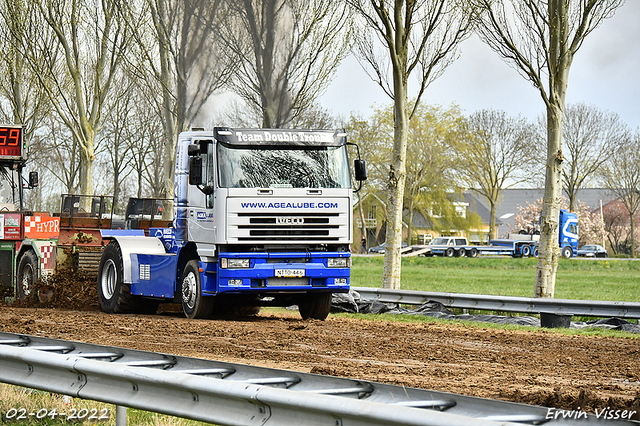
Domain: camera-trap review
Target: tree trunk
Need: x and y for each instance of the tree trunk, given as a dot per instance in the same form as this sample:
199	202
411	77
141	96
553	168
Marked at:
86	177
363	230
169	118
633	236
395	188
492	219
559	63
549	251
410	221
572	199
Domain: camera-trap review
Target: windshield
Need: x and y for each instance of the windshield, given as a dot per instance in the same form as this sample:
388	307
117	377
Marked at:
439	241
278	167
9	190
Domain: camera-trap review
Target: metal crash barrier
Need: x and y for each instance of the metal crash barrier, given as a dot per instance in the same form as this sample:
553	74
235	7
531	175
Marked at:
236	394
531	305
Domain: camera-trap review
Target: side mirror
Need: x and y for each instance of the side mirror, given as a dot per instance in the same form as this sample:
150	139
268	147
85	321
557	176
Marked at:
195	170
360	167
193	149
33	179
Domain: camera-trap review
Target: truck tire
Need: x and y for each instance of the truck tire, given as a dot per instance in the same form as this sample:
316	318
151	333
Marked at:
194	304
27	275
472	253
535	252
461	252
114	296
526	251
449	252
567	252
315	306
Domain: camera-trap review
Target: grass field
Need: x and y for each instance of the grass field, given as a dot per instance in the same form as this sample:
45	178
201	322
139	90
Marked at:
16	404
607	279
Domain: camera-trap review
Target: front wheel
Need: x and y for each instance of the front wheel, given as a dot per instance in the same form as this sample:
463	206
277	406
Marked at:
194	304
449	252
27	275
316	306
526	251
114	296
567	252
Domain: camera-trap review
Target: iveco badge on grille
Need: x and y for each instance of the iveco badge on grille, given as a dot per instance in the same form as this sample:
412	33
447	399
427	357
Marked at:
289	220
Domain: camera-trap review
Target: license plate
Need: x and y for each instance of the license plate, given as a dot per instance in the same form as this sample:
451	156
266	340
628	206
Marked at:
290	273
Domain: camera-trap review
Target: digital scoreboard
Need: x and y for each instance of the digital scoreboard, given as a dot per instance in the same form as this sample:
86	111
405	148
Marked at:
11	145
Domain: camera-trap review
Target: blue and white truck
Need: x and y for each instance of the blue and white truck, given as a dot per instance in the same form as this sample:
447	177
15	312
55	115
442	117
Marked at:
262	217
518	245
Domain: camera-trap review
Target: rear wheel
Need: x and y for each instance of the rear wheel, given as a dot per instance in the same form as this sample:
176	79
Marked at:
567	252
316	306
461	252
27	275
472	253
194	304
526	251
114	296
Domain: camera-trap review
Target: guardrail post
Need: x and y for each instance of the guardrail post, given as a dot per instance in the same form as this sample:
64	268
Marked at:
121	415
555	321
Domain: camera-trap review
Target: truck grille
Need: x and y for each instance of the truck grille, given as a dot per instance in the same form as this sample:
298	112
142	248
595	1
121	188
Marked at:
267	227
288	220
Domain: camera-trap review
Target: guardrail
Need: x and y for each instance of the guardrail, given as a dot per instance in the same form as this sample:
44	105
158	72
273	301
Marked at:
236	394
530	305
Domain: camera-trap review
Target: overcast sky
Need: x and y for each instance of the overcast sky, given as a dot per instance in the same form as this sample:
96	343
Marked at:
605	73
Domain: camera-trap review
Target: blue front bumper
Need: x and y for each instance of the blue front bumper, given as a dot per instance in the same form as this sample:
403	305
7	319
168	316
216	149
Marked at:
288	272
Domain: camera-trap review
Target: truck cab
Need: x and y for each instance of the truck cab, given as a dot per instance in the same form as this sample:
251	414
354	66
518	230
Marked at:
262	217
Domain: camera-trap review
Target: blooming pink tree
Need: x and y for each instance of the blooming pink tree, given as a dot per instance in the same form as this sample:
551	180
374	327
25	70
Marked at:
618	226
590	223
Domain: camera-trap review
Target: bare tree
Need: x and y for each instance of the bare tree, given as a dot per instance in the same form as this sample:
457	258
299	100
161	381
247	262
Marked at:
25	103
419	40
178	40
146	138
286	52
56	150
497	154
591	136
621	175
93	41
119	132
540	39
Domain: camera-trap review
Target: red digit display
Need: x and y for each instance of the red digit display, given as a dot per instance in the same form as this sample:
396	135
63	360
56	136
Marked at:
10	142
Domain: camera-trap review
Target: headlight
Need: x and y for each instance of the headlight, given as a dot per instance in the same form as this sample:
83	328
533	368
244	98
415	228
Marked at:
338	262
235	263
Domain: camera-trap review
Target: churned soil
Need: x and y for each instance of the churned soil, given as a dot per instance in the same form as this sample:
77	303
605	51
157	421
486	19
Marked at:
535	367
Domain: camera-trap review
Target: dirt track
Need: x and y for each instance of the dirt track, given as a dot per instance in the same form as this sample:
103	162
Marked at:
542	368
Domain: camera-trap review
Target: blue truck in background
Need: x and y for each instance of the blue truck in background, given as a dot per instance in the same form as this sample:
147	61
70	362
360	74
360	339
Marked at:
517	245
262	217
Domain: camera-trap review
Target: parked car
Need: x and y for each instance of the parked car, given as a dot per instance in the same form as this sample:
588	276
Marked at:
592	250
380	249
451	246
